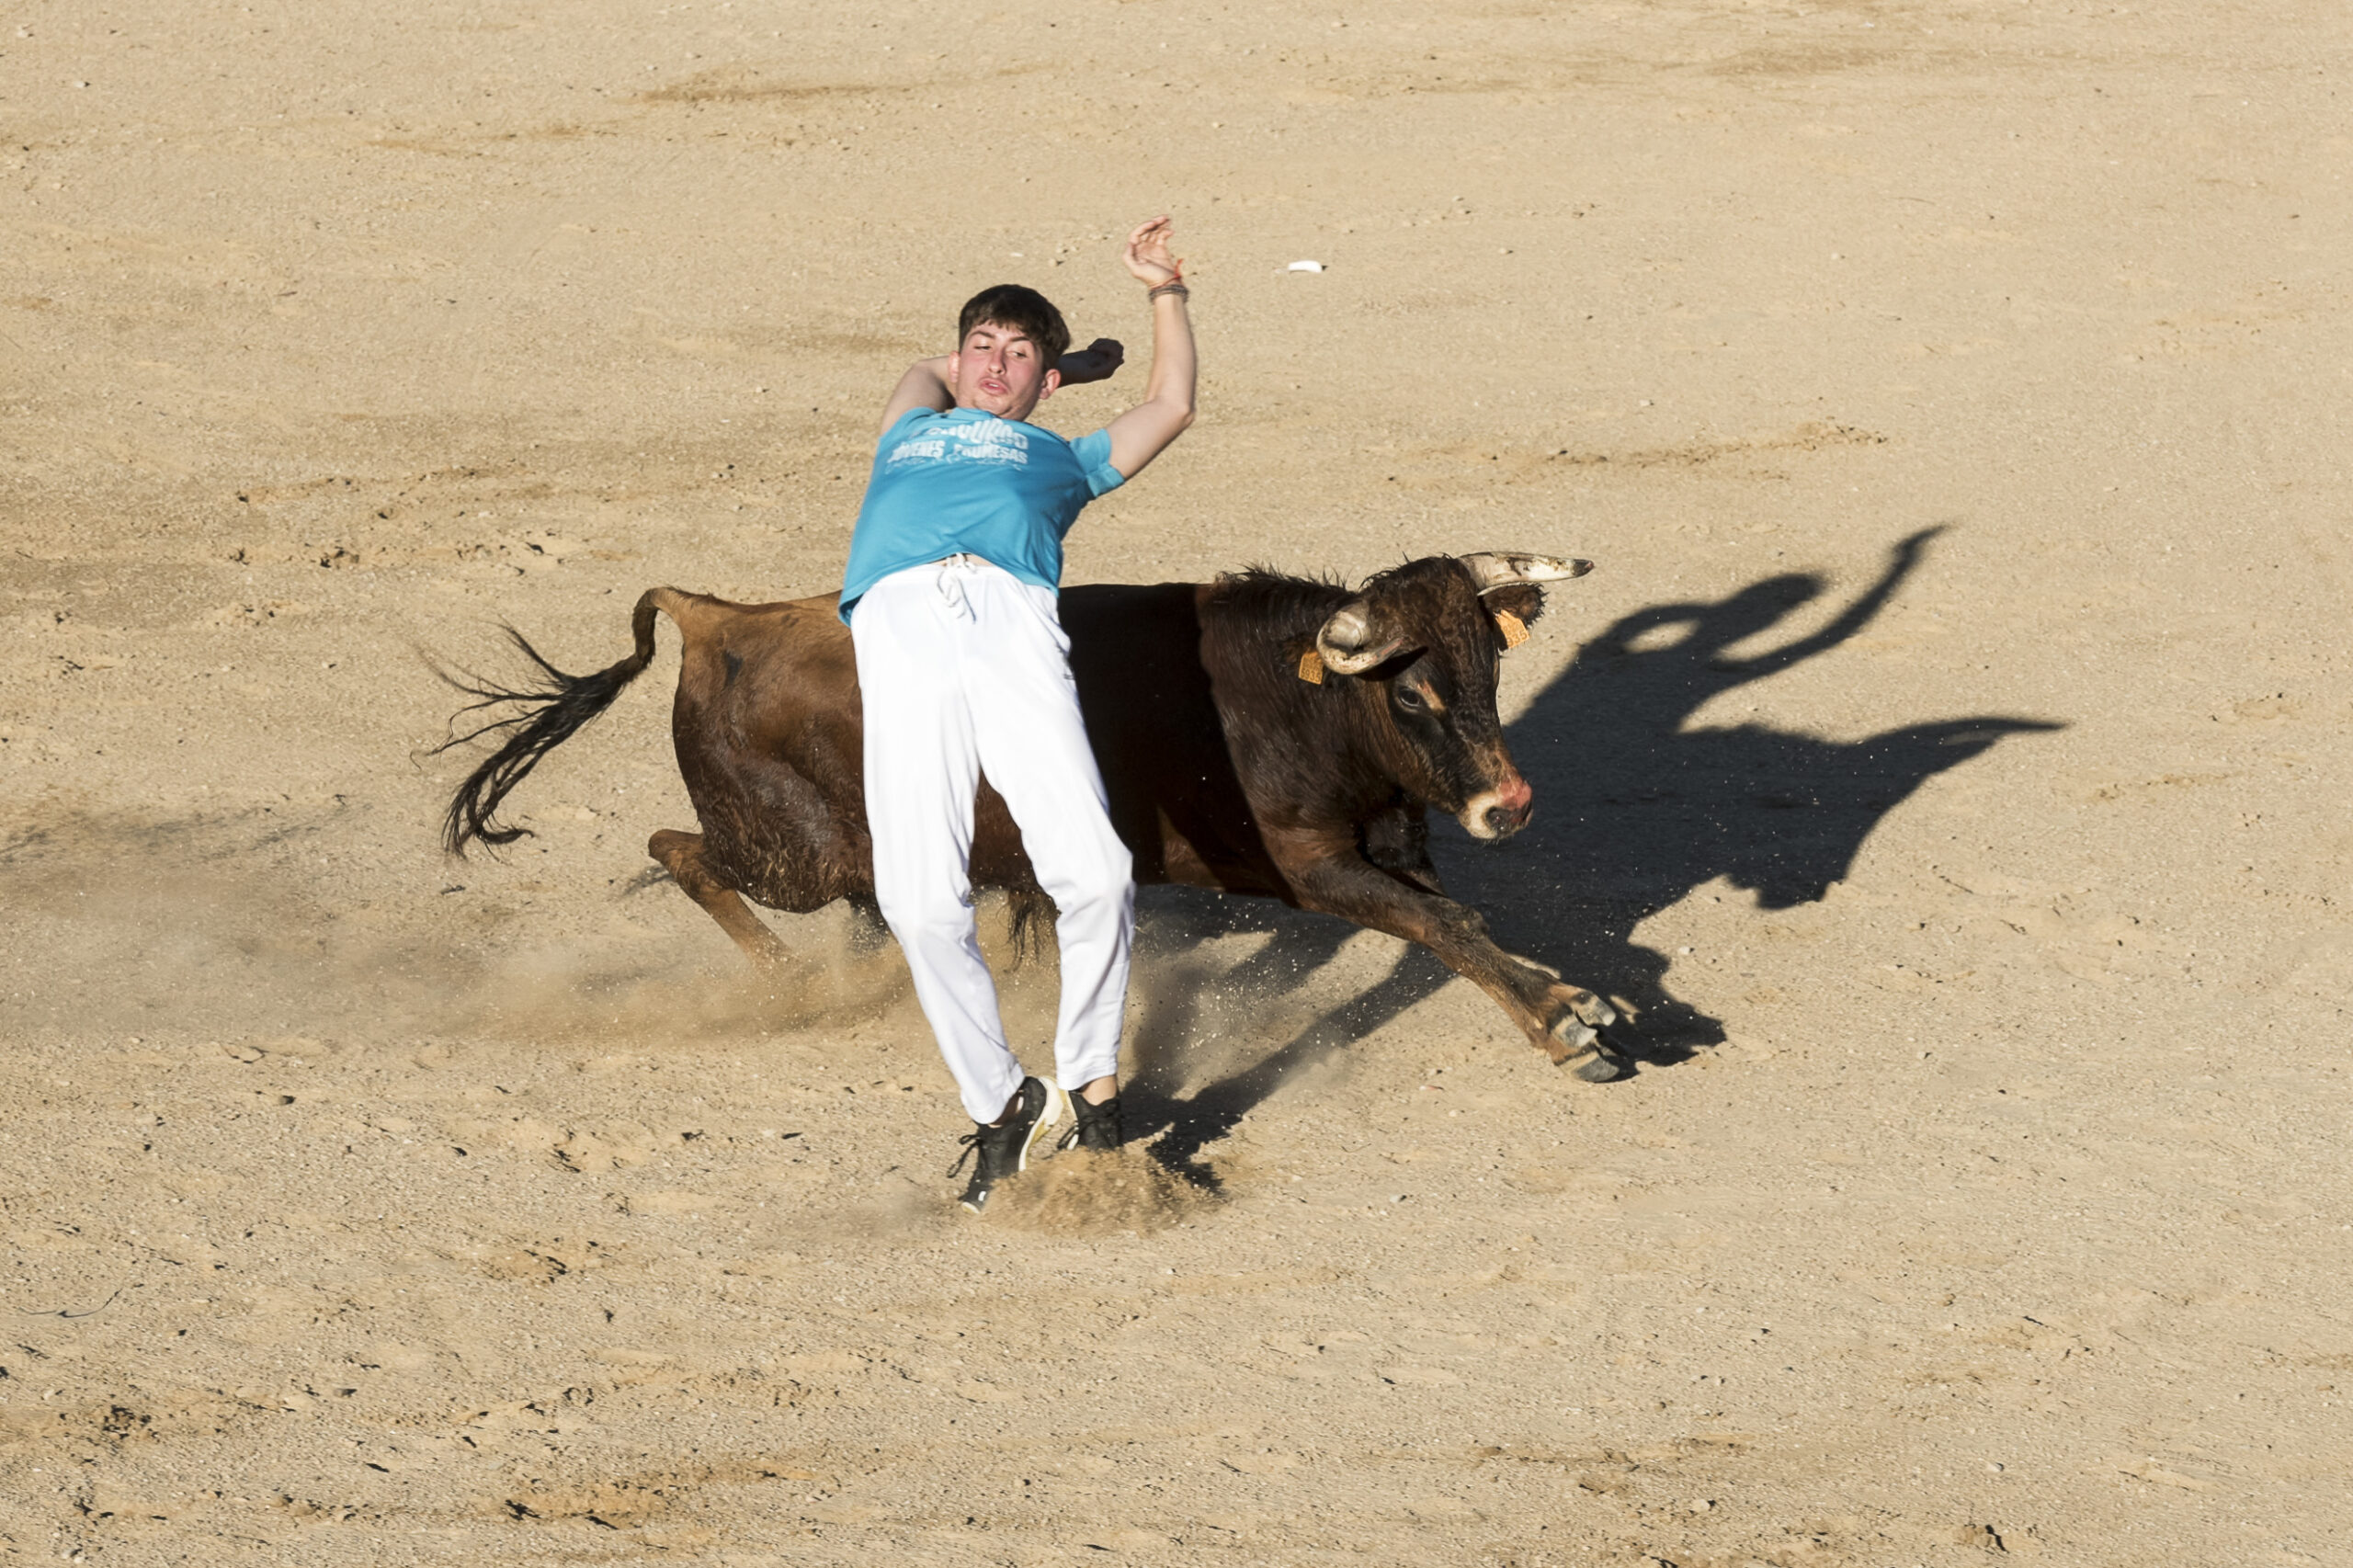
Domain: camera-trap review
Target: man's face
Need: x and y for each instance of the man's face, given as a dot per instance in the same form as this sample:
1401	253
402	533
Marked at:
998	371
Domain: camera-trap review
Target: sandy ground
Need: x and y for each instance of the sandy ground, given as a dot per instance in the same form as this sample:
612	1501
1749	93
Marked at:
1947	761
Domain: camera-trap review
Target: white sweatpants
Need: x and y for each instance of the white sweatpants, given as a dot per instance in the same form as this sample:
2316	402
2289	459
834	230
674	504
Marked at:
964	668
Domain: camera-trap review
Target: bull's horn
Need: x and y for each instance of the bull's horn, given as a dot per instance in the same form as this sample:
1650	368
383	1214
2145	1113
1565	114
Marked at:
1347	640
1497	569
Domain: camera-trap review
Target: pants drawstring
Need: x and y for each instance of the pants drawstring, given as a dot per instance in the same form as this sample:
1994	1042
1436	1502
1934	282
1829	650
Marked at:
954	571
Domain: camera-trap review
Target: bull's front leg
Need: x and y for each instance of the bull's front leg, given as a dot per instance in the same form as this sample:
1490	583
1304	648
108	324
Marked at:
1560	1019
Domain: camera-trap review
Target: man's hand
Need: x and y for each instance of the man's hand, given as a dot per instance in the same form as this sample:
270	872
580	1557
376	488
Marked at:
1099	361
1147	258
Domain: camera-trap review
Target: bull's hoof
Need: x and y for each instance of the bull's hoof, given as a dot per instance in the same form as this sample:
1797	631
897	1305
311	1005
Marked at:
1592	1009
1588	1007
1599	1067
1579	1048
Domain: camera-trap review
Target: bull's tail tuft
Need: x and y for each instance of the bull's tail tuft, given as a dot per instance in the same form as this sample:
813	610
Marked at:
536	719
1034	915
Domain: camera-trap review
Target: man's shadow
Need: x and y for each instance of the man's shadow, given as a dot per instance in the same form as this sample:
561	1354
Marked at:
1636	808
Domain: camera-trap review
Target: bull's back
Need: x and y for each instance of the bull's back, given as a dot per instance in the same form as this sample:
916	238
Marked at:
1152	719
765	672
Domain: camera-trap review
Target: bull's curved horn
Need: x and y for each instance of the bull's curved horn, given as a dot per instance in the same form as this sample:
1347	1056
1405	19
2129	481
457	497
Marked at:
1347	642
1501	568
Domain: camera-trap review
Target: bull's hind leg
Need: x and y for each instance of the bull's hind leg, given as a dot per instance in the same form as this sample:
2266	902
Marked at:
682	856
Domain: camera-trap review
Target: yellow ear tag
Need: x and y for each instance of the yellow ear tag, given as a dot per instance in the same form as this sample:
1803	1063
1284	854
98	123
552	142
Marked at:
1515	630
1311	667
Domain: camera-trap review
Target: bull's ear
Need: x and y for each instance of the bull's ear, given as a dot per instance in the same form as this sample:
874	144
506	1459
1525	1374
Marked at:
1351	644
1522	601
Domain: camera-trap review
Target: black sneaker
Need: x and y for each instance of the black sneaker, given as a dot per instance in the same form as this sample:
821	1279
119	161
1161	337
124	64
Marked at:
1093	1126
1004	1150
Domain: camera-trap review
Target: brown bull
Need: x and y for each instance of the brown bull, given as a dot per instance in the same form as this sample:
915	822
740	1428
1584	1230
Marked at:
1258	734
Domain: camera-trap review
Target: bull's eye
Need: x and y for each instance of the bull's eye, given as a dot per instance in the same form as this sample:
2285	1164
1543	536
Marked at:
1409	699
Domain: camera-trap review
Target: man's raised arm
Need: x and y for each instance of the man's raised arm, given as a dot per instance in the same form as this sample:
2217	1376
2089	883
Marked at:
924	386
1143	432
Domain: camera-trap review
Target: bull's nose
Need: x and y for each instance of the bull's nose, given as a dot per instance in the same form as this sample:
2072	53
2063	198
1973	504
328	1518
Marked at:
1514	803
1503	821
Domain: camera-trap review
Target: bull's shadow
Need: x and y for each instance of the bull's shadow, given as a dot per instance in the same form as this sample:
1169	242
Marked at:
1636	808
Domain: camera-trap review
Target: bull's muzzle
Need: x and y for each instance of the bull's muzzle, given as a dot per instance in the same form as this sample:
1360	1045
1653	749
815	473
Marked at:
1495	814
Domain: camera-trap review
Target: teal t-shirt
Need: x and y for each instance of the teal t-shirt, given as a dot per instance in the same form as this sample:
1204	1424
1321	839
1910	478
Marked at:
966	482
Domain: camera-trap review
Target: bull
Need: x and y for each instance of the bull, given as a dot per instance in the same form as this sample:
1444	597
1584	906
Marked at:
1260	735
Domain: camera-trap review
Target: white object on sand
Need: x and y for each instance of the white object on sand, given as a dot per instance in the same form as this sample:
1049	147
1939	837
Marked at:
1304	267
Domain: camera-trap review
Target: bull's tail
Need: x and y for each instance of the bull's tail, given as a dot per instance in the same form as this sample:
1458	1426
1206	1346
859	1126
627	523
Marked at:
537	717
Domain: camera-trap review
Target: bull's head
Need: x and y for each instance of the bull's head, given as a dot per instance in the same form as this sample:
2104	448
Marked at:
1427	637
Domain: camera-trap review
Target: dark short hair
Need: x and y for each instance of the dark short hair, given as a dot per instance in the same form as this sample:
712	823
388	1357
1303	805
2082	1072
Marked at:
1025	309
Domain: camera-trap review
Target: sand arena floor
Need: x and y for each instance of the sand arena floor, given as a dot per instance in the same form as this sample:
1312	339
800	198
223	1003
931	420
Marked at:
1947	760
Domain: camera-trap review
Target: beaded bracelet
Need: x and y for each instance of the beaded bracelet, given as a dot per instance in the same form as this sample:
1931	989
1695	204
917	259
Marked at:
1173	286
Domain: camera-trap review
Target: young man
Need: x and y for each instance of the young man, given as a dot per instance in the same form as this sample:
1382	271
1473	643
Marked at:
950	595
